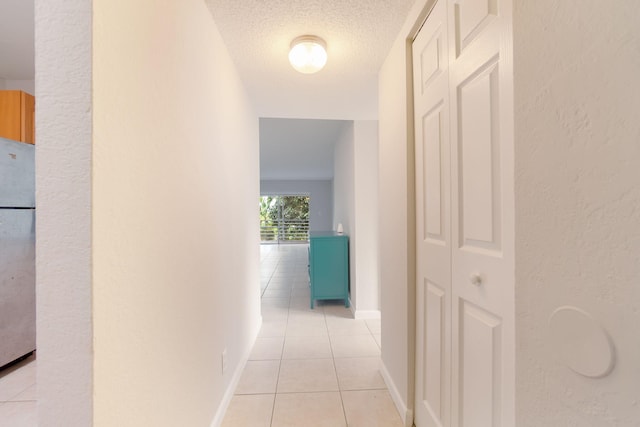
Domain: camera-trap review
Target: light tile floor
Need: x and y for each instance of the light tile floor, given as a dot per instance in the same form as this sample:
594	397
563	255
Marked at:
309	367
18	395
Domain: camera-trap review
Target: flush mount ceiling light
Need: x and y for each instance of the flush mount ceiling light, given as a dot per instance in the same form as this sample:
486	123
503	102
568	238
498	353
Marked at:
308	54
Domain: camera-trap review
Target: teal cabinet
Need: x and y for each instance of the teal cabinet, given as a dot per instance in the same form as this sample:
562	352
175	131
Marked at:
329	266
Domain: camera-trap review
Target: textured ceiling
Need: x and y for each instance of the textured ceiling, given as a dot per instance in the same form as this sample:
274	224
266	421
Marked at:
358	33
16	40
258	34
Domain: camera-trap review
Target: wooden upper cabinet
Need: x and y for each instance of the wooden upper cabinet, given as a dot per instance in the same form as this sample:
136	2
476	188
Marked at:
17	116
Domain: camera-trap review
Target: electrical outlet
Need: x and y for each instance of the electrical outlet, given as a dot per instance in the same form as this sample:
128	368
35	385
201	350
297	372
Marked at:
224	361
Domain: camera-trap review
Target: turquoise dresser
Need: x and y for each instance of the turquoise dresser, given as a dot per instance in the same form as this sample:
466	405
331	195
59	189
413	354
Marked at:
329	266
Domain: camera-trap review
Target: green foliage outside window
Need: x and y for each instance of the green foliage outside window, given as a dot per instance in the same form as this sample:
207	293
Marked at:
284	217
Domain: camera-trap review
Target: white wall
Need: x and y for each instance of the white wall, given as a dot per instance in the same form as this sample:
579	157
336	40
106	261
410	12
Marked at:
344	194
577	99
320	202
396	212
365	245
355	207
63	200
131	236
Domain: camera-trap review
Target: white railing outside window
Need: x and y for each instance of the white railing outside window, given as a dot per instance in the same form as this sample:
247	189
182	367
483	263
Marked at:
284	230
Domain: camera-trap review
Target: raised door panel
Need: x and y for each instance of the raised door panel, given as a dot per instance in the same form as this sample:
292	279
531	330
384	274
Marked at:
433	220
479	195
433	375
434	149
478	366
481	94
482	172
432	56
472	18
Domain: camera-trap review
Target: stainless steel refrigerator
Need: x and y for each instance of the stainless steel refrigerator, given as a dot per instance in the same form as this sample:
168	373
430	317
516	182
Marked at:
17	250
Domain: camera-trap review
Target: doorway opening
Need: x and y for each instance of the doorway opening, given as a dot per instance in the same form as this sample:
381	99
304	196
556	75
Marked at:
284	219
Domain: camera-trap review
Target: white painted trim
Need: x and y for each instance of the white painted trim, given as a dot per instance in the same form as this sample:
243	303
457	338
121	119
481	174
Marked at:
231	389
405	413
366	314
363	314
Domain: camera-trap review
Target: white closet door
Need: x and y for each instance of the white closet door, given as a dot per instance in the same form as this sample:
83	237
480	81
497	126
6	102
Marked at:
433	192
482	206
463	95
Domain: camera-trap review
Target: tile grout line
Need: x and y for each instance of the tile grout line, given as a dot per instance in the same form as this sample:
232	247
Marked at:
284	340
335	370
275	392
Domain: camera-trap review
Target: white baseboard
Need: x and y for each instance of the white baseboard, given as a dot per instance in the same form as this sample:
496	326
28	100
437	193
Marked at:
363	314
405	413
231	389
366	314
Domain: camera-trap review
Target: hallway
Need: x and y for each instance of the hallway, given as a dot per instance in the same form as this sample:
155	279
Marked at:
309	367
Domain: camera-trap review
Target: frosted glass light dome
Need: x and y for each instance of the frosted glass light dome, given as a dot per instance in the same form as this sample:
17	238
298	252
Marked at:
308	54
